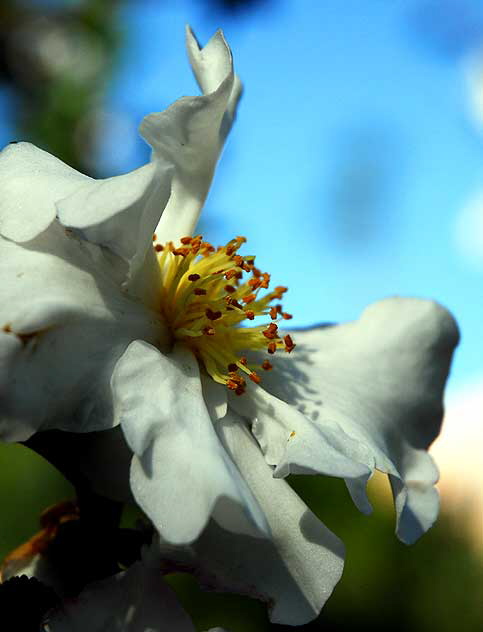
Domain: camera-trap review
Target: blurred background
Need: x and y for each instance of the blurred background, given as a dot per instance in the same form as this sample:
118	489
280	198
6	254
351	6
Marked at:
355	170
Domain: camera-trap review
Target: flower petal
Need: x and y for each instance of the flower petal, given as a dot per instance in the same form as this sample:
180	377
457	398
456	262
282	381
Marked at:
136	600
180	474
31	181
120	213
281	429
190	134
379	380
295	570
57	355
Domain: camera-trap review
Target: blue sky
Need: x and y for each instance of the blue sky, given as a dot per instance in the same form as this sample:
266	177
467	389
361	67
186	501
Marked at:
353	152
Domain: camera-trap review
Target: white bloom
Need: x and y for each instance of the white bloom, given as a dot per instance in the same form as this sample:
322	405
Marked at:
101	329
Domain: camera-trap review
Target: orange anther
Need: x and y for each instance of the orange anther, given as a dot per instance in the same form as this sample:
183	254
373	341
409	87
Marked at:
155	237
158	247
209	331
266	365
250	314
255	378
230	250
273	313
232	385
243	360
272	347
238	259
194	277
254	283
266	281
230	274
286	316
271	331
186	240
249	298
182	252
289	344
238	379
199	291
256	272
241	240
230	289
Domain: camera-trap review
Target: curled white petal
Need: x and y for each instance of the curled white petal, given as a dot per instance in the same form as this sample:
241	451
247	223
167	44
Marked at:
378	384
190	134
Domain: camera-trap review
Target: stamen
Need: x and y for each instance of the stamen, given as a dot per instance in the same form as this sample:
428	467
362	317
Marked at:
289	344
255	378
196	295
271	332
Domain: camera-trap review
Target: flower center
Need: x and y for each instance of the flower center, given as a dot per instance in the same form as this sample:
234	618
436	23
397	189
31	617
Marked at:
205	301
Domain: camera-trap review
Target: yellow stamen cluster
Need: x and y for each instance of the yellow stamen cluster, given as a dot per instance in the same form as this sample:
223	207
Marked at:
205	300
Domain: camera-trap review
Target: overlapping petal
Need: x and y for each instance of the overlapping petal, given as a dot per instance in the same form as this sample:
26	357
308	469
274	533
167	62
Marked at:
376	383
63	328
120	213
31	181
177	455
294	570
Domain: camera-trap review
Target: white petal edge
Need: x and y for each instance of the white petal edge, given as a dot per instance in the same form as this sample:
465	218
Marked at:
31	181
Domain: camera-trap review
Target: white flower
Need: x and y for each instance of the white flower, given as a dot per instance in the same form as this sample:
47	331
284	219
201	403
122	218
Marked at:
101	329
